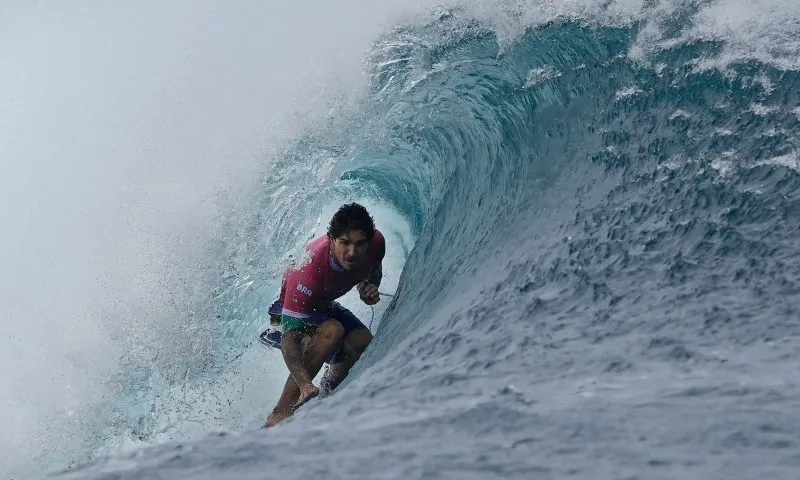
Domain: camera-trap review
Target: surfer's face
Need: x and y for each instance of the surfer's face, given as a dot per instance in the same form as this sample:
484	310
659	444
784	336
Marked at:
350	248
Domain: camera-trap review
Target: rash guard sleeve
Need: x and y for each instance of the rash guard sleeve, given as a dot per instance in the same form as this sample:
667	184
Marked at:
375	277
301	287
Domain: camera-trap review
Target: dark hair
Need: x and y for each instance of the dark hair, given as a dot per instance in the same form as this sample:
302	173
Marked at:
351	217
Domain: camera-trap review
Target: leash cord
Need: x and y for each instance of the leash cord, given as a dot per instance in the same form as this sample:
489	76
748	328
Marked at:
373	309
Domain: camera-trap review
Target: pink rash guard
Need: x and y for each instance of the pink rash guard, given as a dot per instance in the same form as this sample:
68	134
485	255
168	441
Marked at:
309	290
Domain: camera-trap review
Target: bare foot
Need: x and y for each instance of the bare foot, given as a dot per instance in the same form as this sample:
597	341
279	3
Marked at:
276	417
307	393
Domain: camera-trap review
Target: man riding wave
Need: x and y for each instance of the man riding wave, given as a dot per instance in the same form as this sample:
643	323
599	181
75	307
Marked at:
315	328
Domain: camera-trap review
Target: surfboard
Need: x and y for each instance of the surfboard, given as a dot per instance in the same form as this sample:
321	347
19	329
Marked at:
271	337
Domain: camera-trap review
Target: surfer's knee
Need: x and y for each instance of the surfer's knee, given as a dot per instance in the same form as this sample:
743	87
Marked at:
331	332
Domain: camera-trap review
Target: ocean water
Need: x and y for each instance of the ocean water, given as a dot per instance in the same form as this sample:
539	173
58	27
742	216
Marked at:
592	213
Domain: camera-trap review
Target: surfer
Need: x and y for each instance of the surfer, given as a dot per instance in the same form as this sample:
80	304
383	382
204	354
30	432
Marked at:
315	328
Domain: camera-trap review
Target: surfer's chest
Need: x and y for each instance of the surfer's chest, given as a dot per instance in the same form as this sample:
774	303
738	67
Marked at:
339	283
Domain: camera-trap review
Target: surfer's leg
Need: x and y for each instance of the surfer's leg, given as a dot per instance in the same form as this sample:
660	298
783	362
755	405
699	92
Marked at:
357	339
284	406
328	337
303	368
350	352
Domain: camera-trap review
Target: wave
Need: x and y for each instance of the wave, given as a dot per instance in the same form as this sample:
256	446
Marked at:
595	226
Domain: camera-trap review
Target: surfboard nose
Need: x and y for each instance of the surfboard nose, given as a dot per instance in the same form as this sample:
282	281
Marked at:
271	338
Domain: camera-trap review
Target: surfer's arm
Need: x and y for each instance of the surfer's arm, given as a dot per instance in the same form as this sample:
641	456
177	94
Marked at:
368	289
298	304
293	356
374	278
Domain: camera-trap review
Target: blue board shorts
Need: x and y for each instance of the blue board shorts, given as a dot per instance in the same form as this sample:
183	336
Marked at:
351	323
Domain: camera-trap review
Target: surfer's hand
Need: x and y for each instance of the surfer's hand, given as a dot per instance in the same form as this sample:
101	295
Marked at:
369	295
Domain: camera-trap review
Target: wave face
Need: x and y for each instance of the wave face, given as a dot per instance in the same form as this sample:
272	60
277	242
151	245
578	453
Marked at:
604	280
